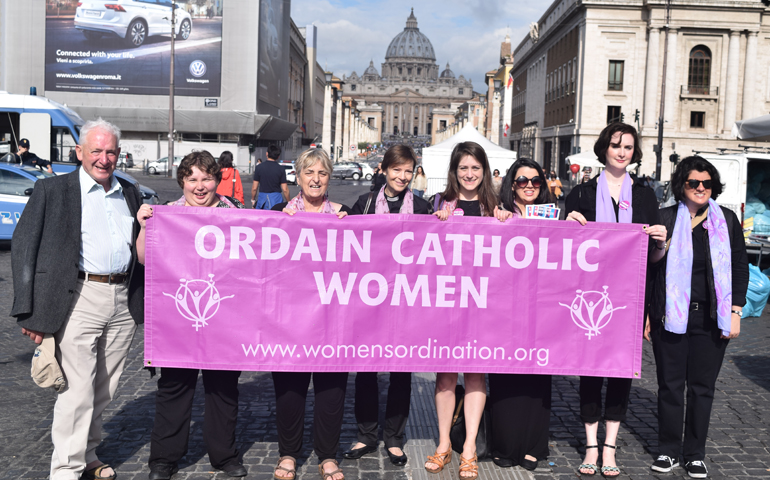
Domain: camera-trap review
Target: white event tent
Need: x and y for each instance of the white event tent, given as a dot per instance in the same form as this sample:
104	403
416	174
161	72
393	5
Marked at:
754	129
435	159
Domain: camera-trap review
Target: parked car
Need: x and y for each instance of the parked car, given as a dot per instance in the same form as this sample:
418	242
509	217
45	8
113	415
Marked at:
366	170
291	173
149	195
16	184
161	164
131	20
125	160
347	169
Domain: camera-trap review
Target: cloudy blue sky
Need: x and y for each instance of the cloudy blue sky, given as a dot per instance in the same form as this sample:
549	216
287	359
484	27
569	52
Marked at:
465	33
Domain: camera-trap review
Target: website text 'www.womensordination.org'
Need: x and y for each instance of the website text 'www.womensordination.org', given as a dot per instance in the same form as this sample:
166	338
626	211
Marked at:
428	351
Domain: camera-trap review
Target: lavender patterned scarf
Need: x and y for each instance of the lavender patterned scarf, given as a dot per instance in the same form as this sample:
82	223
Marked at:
381	205
605	211
298	204
679	269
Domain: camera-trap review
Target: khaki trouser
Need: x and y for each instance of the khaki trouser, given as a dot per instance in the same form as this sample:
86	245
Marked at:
92	348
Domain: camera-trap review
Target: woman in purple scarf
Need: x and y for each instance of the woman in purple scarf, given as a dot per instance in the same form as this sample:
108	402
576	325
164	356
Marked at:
613	196
697	294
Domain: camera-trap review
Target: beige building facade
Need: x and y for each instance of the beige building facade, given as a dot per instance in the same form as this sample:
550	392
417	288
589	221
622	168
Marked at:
587	63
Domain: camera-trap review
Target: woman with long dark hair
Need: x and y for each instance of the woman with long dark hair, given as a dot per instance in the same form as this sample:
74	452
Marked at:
616	197
520	403
420	183
230	185
468	192
395	198
699	289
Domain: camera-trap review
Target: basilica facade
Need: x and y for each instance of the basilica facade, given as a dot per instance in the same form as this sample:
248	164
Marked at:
412	96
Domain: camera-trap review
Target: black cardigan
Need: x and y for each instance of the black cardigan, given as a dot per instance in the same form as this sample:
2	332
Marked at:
421	206
582	198
739	261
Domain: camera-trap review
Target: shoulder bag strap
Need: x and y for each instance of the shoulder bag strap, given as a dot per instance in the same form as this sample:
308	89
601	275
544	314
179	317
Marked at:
368	203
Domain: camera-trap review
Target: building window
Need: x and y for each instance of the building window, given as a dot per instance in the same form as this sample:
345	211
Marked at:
613	114
459	91
353	88
615	81
400	70
419	71
408	71
699	75
697	119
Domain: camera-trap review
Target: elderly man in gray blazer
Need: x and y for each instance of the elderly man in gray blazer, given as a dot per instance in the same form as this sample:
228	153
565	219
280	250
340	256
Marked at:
75	276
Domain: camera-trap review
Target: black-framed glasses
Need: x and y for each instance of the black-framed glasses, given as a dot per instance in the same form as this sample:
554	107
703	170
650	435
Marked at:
692	183
523	181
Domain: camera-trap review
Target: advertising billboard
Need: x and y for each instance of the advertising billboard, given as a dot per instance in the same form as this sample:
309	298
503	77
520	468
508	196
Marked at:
123	46
273	55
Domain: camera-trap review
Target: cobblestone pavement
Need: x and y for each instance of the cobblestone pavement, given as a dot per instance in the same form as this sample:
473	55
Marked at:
738	446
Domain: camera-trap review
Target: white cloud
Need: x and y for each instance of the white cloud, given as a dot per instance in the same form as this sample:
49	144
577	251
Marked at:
465	33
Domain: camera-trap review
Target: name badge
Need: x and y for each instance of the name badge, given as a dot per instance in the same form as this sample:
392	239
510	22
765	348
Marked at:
624	205
458	212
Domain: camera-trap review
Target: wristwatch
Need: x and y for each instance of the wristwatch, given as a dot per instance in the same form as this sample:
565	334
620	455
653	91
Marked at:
660	248
739	312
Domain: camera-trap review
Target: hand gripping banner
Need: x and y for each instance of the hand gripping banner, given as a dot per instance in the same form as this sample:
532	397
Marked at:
262	291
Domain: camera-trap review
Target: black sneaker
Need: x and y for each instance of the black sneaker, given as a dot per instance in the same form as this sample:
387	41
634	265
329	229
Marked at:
664	464
696	469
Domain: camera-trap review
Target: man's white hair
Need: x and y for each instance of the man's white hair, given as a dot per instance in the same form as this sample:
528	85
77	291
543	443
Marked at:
101	124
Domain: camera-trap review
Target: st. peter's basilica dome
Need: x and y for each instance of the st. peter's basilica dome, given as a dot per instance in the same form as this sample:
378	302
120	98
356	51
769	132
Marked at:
410	43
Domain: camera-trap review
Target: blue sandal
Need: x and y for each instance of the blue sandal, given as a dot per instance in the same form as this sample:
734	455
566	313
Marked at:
608	471
586	466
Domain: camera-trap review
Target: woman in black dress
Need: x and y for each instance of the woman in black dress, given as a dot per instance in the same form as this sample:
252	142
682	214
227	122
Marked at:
394	197
613	196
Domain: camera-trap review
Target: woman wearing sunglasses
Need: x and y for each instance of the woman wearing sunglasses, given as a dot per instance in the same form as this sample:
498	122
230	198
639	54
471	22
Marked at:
520	403
699	288
468	192
398	165
613	196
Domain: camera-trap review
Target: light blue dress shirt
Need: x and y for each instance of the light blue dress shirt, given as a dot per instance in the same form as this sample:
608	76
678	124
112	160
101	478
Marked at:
105	228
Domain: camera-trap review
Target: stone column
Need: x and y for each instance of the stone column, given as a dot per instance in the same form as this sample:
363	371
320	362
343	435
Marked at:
338	128
651	82
346	133
733	70
749	77
326	135
672	87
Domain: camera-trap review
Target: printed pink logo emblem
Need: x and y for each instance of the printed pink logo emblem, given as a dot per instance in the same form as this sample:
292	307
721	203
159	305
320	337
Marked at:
624	205
591	310
197	300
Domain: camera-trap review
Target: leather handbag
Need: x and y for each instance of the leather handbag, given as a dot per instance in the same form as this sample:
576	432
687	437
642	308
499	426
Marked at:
457	432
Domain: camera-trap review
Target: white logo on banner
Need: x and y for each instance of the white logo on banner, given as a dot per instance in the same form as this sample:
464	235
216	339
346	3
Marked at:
198	68
197	300
591	311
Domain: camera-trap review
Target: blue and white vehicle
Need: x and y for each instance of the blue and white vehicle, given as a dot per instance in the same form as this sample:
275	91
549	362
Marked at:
16	184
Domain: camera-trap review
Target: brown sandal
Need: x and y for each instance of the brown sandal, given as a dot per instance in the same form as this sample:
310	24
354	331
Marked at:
467	466
440	459
331	474
289	471
96	473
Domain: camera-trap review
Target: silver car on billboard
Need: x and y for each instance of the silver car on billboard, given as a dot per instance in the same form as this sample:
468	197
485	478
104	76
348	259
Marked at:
134	21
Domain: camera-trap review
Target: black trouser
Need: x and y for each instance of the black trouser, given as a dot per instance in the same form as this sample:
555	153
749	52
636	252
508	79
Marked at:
615	399
692	359
396	409
173	409
290	395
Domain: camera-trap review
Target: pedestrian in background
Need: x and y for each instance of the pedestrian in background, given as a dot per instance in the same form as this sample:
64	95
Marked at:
231	179
29	159
199	176
272	178
554	185
520	403
378	180
469	191
497	181
75	277
314	169
394	197
616	197
420	183
699	289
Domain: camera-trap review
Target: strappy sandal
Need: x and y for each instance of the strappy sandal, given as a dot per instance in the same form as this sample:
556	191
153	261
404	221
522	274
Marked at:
586	466
467	466
440	459
330	475
96	473
609	471
289	471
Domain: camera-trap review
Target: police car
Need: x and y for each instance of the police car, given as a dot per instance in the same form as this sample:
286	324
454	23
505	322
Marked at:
16	184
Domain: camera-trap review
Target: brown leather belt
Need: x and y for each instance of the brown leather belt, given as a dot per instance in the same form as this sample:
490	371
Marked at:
114	278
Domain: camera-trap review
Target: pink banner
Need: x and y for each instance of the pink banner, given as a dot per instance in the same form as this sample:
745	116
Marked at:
251	290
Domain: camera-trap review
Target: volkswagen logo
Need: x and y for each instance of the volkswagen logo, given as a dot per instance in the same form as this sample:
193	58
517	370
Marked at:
198	68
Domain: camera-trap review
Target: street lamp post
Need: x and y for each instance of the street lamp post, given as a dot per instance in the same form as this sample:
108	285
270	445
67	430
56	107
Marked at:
170	163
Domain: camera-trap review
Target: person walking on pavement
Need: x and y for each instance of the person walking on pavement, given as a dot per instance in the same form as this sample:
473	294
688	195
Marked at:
554	184
29	159
198	175
699	289
231	179
272	178
393	197
615	197
75	277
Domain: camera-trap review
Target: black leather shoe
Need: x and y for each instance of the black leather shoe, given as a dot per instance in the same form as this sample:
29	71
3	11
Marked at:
355	453
529	464
503	462
397	460
162	471
234	470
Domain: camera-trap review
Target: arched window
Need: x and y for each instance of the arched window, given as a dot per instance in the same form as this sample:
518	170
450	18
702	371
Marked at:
699	76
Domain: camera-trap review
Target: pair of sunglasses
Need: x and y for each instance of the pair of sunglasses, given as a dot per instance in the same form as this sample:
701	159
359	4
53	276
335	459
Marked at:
523	181
692	183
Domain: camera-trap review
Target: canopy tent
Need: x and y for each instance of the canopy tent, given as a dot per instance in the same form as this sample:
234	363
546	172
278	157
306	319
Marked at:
585	159
435	159
754	129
